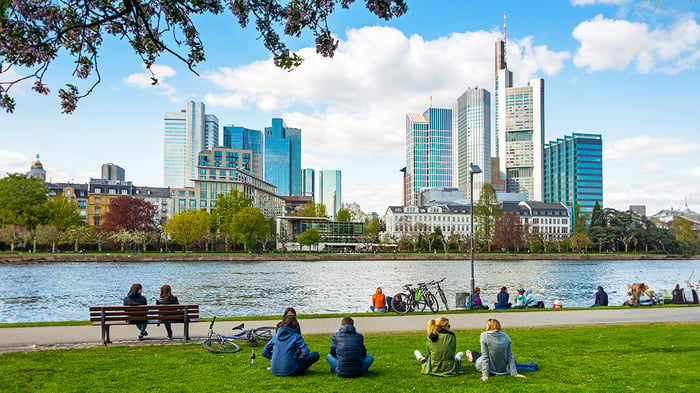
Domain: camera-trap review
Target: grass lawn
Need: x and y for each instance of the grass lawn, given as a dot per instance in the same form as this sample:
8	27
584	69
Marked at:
641	358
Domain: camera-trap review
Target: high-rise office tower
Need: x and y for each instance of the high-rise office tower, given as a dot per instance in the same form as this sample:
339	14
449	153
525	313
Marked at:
519	130
283	158
186	134
329	191
428	151
113	172
573	171
242	138
471	139
309	184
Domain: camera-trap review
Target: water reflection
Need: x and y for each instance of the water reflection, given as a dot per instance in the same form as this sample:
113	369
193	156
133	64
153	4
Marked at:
64	291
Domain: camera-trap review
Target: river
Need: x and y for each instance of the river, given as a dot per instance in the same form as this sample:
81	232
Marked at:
64	291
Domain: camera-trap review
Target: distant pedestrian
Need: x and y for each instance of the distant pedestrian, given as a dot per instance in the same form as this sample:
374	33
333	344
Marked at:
378	301
348	356
135	298
502	300
677	295
601	298
167	297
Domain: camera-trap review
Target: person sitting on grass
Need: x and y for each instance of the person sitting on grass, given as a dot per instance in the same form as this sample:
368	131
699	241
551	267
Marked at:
441	345
477	303
287	350
502	300
496	355
348	357
601	298
520	300
290	311
379	301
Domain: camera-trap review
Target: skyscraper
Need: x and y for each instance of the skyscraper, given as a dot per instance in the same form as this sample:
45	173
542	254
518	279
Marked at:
241	138
573	171
113	172
471	139
186	134
309	184
283	158
519	130
428	151
329	191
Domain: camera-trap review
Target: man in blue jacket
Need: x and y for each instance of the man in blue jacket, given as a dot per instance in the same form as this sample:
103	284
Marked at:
287	350
348	357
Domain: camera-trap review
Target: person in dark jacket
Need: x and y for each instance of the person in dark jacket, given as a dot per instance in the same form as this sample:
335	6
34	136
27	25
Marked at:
167	297
502	300
677	295
135	298
348	357
601	298
287	351
290	311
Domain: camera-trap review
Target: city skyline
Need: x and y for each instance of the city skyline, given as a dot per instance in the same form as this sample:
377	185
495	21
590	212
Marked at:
621	69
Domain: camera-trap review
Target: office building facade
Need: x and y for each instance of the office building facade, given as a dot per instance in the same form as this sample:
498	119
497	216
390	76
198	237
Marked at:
283	158
428	152
573	171
309	184
519	130
113	172
186	134
471	139
330	191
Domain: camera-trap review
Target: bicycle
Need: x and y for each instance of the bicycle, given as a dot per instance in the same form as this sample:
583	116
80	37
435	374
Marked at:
440	292
416	299
219	343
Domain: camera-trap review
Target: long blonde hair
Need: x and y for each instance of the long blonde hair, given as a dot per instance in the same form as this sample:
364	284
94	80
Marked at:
493	324
434	325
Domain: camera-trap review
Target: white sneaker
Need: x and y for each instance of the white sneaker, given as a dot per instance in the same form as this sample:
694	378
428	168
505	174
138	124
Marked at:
419	356
458	356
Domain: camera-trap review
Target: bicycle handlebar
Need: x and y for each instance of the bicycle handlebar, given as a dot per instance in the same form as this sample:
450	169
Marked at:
211	325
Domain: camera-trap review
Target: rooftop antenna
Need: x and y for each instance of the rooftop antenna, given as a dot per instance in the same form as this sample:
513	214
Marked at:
431	101
504	36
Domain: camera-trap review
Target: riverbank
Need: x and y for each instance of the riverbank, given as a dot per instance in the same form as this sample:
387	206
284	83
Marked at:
7	258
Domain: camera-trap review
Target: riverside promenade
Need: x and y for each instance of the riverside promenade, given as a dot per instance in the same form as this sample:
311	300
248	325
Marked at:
56	337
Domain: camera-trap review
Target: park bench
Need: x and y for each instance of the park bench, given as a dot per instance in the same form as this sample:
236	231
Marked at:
107	316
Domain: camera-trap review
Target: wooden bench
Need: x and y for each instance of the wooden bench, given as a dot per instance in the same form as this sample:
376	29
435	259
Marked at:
128	315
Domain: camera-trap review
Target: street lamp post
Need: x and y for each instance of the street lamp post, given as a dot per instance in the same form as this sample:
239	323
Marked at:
472	170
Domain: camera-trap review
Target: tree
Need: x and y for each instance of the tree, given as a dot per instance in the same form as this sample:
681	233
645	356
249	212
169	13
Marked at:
62	215
250	226
78	234
683	229
372	229
227	206
581	219
310	237
342	216
128	217
485	213
35	33
580	241
188	226
310	210
15	235
23	202
356	213
509	232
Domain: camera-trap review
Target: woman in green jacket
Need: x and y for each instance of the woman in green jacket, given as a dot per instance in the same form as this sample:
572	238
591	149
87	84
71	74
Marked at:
441	345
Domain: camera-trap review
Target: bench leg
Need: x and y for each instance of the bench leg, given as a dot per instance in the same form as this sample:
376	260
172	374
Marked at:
109	340
187	331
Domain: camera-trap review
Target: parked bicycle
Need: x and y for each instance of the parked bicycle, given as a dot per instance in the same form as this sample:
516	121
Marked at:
414	299
440	292
219	343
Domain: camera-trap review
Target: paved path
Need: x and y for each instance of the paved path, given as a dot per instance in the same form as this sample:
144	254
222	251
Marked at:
34	338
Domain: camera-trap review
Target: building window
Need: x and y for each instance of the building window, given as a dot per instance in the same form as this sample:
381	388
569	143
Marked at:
97	211
193	203
97	201
98	190
203	203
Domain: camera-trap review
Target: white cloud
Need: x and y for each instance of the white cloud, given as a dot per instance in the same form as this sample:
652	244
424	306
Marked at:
13	162
594	2
357	101
645	146
695	171
614	44
651	167
143	80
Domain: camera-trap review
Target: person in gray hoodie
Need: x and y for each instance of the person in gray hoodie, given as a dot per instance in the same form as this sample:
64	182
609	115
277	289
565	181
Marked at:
496	355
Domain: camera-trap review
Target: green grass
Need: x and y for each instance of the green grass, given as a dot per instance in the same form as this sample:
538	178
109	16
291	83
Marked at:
610	358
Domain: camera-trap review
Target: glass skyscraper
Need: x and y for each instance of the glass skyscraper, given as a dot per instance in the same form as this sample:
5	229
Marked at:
428	152
186	134
329	190
519	130
471	139
573	171
283	158
243	138
309	184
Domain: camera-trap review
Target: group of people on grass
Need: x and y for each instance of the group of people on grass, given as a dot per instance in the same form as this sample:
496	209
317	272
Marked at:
135	298
290	355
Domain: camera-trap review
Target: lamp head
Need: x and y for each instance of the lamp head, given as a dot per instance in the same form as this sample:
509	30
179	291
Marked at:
473	168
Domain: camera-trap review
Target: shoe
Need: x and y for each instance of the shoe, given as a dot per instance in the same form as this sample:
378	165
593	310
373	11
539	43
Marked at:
419	356
170	337
140	337
458	356
145	334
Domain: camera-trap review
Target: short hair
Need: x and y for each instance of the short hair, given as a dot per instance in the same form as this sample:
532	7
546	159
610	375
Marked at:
135	288
347	321
493	324
600	287
477	289
504	289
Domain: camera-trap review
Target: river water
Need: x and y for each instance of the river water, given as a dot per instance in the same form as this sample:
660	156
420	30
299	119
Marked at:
64	291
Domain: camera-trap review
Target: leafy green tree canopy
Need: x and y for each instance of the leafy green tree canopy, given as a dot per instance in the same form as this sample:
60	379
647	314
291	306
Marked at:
188	227
343	215
310	237
23	201
311	210
250	226
35	33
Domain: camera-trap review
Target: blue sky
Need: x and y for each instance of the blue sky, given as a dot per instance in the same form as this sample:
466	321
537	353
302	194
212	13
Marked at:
623	69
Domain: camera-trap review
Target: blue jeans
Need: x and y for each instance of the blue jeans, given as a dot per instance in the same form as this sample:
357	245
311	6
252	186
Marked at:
168	329
304	363
142	328
366	362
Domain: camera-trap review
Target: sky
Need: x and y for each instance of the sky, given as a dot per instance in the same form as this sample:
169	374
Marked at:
625	69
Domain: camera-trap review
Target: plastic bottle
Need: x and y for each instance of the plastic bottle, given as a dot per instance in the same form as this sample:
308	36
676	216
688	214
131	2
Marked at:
252	357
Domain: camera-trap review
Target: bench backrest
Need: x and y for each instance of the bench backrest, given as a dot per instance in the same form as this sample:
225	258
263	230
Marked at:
169	313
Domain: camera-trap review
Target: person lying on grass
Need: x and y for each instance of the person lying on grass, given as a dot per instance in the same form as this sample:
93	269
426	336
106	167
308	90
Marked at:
441	345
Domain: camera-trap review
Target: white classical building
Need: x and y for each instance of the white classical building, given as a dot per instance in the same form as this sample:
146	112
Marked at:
551	220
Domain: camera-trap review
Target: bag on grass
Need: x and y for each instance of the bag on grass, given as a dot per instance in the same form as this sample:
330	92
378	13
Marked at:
532	366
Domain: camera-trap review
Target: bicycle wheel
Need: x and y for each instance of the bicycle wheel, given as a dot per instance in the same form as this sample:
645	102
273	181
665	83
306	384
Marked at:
215	345
264	333
400	303
432	302
444	300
